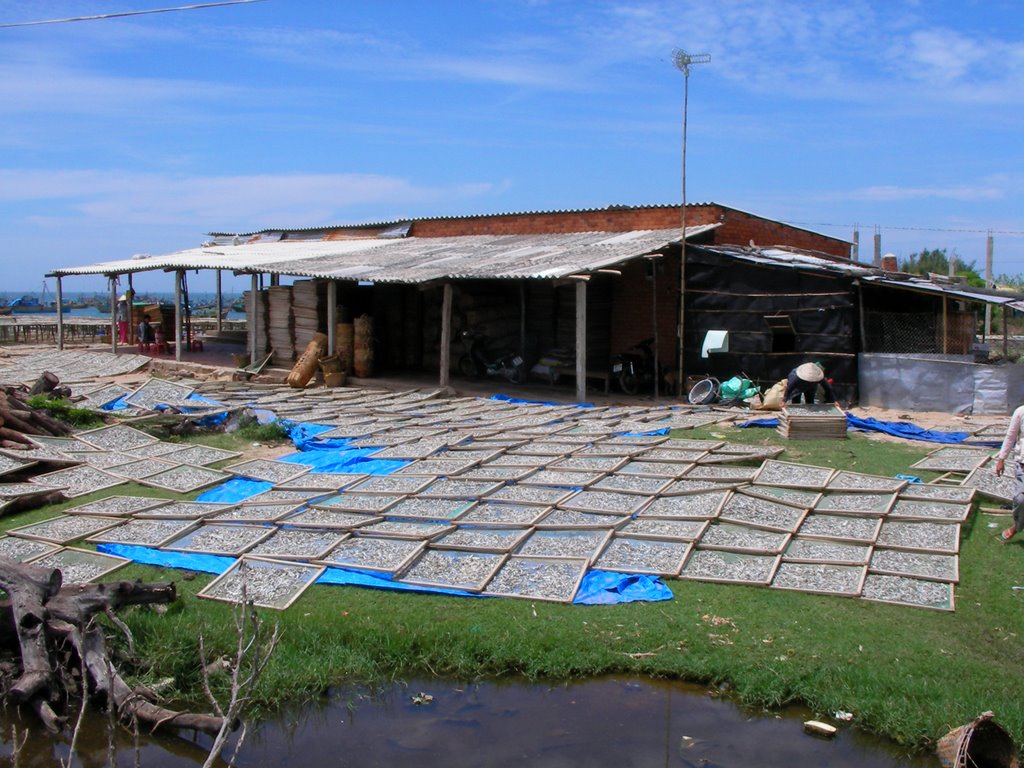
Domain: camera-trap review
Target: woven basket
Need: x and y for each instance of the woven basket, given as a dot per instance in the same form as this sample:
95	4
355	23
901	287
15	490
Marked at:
335	379
308	362
981	743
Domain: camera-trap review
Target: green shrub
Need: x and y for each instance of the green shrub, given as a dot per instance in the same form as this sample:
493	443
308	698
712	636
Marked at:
63	410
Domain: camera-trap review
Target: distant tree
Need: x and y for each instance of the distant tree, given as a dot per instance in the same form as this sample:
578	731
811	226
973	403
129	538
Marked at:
1010	282
937	261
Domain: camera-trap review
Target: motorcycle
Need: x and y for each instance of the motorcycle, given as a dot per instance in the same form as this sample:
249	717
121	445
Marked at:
480	360
634	371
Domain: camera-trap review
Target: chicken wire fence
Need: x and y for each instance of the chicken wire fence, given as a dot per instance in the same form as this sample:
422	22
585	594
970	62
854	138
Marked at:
919	332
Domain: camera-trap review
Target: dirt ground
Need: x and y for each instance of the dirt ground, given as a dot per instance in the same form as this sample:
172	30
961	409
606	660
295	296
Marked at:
218	365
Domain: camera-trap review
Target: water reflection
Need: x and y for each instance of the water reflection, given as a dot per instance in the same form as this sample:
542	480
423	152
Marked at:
618	722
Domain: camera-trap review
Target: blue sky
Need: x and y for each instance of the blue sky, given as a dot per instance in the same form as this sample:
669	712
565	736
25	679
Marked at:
141	134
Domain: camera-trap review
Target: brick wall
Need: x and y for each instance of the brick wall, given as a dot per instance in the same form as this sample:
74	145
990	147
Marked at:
632	308
737	227
603	220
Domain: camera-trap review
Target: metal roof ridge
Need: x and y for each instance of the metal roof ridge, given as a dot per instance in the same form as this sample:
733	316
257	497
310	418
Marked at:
463	216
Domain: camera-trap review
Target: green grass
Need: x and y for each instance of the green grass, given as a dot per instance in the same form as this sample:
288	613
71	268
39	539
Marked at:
906	673
62	409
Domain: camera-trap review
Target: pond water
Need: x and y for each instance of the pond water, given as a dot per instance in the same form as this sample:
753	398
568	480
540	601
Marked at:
620	722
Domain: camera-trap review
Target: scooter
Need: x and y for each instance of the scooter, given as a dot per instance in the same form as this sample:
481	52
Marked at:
480	361
634	371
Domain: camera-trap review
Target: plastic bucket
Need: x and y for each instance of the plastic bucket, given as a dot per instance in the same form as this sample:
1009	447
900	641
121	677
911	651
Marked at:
703	392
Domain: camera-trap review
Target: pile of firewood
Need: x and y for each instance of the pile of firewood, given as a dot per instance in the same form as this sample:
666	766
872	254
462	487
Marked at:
19	420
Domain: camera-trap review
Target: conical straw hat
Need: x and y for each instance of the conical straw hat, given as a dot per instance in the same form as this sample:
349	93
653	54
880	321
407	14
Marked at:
810	372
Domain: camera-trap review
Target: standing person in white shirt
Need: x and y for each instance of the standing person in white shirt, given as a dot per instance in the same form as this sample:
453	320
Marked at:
1013	445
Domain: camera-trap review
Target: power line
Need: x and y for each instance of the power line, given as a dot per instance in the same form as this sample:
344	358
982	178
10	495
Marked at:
910	228
127	13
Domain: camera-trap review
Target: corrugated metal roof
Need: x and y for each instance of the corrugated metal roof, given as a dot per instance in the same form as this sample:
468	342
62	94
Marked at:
412	259
795	259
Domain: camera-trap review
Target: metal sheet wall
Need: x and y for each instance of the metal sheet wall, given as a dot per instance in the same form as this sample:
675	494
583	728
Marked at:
947	383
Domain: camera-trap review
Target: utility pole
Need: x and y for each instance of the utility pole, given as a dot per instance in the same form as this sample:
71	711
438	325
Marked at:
683	61
989	283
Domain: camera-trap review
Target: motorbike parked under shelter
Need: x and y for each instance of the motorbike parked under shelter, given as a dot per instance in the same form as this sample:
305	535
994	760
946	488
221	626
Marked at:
635	370
483	359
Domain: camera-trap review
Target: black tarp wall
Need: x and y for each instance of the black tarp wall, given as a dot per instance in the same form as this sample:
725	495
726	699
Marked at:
777	317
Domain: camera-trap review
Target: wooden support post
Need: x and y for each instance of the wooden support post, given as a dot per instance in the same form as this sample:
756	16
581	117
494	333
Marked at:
113	314
945	324
132	323
178	277
1006	330
653	264
444	375
581	341
219	309
250	321
988	284
681	327
60	315
332	318
862	318
522	318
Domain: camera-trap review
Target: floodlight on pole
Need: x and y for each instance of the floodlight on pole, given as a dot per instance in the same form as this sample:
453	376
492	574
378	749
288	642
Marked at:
683	61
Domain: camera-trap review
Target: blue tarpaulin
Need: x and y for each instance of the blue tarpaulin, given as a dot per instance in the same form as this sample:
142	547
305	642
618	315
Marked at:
510	399
341	458
190	561
207	421
335	455
304	435
770	423
902	429
235	490
608	588
376	581
597	587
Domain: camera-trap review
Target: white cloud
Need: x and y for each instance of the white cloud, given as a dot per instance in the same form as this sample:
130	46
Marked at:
35	87
965	193
110	198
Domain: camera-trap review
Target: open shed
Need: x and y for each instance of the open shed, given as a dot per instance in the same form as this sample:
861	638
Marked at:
539	281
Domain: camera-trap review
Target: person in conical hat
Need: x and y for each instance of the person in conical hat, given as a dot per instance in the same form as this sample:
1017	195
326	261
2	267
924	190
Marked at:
123	315
803	382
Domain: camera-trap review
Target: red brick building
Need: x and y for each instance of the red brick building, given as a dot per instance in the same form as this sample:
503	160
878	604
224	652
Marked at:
641	301
734	227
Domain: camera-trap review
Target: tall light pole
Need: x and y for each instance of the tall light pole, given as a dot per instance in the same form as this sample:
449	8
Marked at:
683	61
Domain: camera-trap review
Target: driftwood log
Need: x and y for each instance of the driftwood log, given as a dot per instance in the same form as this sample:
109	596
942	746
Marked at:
56	631
47	382
17	416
